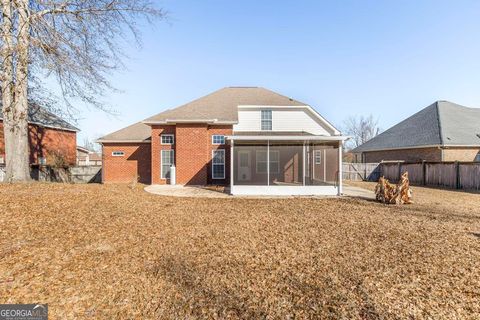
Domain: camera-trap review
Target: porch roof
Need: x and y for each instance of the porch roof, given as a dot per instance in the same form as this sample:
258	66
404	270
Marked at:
282	135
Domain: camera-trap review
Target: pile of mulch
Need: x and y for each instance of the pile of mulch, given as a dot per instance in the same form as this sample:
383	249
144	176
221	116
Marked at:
107	252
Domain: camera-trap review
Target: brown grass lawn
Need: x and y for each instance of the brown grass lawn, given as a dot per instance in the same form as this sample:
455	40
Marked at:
106	251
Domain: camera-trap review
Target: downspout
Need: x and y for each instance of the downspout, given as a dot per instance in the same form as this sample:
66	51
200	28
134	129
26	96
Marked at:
231	167
340	163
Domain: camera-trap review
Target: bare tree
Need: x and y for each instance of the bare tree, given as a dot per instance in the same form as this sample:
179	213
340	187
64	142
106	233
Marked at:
90	144
76	42
361	129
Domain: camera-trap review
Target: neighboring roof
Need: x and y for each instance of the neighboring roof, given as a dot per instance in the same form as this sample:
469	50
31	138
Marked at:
222	105
83	149
443	123
42	117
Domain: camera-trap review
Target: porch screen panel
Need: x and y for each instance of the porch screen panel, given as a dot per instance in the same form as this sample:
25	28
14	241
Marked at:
249	165
286	164
322	159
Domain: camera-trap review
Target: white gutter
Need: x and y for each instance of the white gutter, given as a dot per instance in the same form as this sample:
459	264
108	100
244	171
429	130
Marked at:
123	141
174	121
288	138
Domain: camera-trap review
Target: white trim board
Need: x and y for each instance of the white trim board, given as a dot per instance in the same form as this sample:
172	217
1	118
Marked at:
284	190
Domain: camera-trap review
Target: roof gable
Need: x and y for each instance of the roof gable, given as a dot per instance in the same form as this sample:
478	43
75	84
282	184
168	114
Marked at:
459	125
222	105
422	128
442	123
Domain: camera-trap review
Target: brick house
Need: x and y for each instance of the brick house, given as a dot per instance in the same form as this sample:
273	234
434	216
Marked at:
443	131
251	139
49	135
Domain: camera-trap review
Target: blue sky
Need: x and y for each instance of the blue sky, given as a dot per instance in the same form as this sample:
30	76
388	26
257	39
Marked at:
386	58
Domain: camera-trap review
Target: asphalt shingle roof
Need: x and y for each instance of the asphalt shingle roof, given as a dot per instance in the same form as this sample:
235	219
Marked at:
221	105
443	123
43	117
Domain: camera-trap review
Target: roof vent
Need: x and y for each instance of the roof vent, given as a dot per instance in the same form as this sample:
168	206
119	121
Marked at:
478	135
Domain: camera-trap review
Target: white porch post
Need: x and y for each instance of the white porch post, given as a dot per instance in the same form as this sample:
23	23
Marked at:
303	168
268	162
231	167
340	162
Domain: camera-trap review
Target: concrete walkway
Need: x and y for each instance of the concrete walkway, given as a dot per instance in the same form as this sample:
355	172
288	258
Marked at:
202	192
356	192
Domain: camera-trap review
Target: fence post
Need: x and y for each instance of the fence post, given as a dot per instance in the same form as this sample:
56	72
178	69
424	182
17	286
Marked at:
399	171
424	172
457	175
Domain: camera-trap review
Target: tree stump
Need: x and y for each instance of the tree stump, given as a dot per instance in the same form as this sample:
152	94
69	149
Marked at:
389	193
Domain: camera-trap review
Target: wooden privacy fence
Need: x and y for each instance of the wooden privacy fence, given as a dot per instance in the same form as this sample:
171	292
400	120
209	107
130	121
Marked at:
361	171
453	175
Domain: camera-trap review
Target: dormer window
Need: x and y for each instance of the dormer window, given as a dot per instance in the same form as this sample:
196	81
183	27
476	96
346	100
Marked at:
266	120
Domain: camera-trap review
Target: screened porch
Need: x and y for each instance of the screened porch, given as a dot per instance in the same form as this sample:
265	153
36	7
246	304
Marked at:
285	167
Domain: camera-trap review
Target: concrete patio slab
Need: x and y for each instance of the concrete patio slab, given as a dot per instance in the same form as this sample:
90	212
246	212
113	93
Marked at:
185	191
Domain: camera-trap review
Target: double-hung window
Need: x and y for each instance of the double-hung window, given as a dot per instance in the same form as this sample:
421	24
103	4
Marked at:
168	159
218	139
218	164
266	119
167	139
477	157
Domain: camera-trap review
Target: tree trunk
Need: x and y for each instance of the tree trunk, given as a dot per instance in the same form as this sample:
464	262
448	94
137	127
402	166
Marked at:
14	94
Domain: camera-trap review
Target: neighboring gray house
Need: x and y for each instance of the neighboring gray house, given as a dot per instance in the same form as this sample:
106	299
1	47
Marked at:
443	131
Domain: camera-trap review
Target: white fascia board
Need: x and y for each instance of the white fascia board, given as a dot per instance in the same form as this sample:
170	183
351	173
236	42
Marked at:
283	138
255	190
309	108
122	141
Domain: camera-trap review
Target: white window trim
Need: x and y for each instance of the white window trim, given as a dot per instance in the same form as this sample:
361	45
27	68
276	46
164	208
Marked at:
318	152
267	161
167	135
218	144
118	153
161	162
218	164
262	120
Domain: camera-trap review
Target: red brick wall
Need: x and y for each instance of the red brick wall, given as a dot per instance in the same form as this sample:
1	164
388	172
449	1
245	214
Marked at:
225	131
418	154
44	142
135	163
157	131
460	154
193	155
427	154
